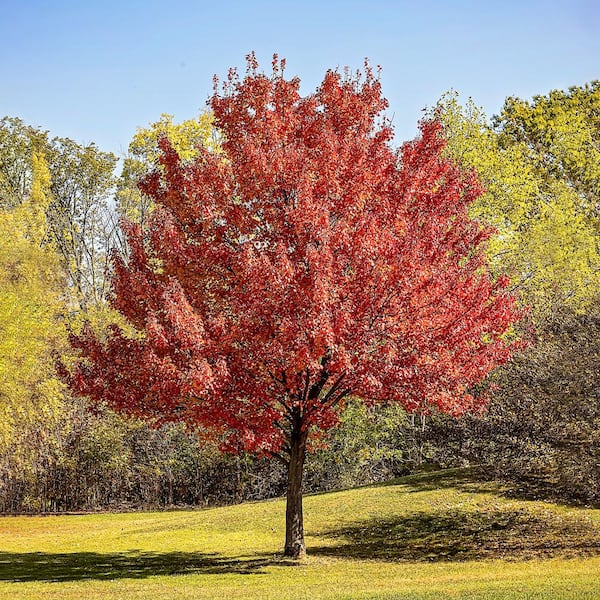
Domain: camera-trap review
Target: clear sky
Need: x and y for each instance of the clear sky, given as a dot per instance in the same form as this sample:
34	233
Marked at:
95	70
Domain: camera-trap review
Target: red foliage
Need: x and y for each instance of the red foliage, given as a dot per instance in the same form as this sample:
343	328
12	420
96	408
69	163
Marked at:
307	262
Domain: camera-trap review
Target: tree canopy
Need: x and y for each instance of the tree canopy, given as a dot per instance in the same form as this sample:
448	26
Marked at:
538	165
306	262
29	313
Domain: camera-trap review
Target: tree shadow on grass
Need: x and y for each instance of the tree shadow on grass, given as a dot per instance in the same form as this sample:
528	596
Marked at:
465	479
482	479
76	566
459	535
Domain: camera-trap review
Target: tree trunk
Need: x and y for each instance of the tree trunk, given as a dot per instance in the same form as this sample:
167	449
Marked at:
294	524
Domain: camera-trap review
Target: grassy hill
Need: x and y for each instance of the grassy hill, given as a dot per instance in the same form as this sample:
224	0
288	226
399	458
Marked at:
433	536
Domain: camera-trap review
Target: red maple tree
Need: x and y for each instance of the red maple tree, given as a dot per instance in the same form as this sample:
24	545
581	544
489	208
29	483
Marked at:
306	262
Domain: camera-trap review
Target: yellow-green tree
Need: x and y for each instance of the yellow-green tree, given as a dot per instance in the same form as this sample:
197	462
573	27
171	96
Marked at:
29	313
18	143
547	236
186	137
81	222
561	134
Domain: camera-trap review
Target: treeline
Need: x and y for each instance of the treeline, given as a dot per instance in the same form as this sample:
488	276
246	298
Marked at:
60	206
539	162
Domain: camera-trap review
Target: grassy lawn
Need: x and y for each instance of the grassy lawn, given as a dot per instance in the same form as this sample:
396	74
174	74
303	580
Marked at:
433	536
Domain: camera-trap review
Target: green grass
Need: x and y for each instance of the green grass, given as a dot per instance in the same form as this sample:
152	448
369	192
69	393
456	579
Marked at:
434	536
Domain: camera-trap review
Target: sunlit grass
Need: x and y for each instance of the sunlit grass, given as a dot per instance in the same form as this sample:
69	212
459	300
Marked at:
423	537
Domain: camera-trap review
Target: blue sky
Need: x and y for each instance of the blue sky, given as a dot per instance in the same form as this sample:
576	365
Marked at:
94	71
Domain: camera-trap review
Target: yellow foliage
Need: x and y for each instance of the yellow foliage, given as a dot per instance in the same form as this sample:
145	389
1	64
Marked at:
29	314
34	208
186	138
546	239
561	132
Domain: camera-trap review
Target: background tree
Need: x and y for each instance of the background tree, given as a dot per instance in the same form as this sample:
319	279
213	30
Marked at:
539	162
561	132
547	230
312	263
53	213
18	143
186	138
29	315
83	225
372	444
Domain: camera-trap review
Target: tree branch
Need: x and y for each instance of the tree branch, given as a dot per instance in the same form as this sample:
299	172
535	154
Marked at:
333	389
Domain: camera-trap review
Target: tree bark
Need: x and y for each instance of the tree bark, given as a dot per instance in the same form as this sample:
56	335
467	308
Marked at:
294	523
